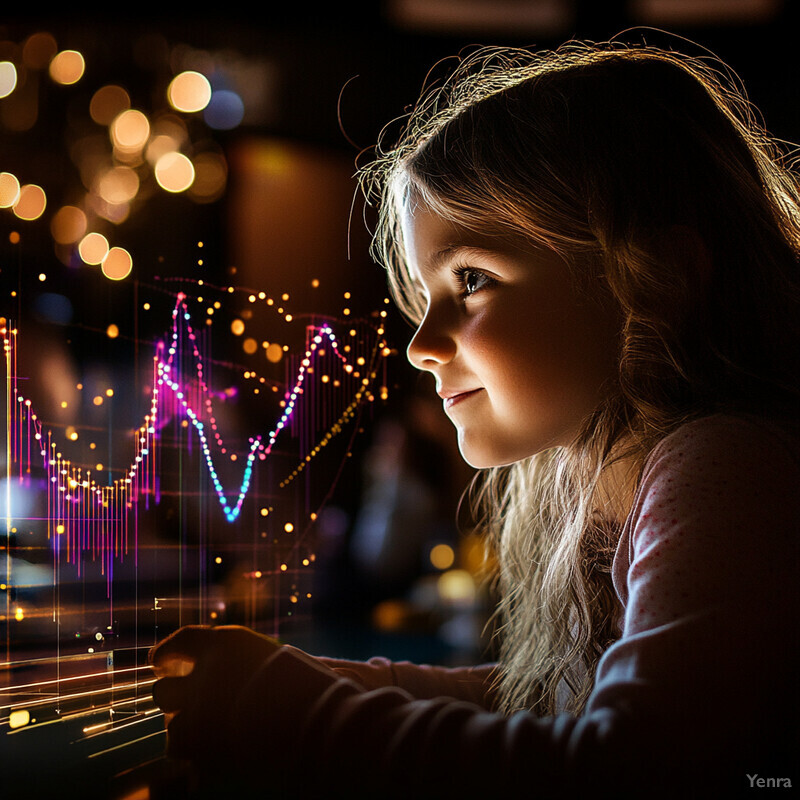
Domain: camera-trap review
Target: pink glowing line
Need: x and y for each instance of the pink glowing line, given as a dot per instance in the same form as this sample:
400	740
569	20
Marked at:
102	526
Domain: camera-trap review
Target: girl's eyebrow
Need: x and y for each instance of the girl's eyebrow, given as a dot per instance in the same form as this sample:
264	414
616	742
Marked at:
453	251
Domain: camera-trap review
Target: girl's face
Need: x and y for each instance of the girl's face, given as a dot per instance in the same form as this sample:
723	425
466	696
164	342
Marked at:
520	356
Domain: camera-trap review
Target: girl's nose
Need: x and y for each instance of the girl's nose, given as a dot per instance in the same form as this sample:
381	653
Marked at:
432	344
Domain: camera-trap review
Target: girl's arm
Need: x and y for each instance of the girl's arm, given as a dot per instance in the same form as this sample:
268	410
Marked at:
421	681
698	695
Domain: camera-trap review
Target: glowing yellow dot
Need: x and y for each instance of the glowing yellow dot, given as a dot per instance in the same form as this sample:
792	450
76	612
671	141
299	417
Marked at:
18	614
93	248
31	202
237	327
112	331
67	67
59	528
189	92
63	404
218	560
284	567
19	718
288	527
117	264
442	556
9	189
264	512
8	78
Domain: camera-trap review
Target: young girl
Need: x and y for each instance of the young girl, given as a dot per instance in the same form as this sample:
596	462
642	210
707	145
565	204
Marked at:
599	246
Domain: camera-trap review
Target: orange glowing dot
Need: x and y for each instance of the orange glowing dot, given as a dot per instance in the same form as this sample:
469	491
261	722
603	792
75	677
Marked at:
288	527
442	556
42	277
8	78
250	346
67	67
112	331
31	202
257	573
174	172
93	248
237	327
38	50
117	264
109	392
211	175
190	91
19	718
274	353
218	560
130	131
118	185
315	283
9	189
284	567
13	237
68	225
107	103
264	512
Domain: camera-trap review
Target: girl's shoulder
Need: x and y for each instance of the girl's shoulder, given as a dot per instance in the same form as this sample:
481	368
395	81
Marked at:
730	442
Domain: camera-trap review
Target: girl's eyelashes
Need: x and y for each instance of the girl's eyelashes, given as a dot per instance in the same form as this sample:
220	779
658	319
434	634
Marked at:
471	280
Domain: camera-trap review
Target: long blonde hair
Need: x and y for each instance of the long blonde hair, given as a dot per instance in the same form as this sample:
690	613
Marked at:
650	174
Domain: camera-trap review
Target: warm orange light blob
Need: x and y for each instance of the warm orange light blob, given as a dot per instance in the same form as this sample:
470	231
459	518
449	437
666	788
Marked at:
31	202
93	248
68	225
112	331
107	103
274	353
174	172
8	78
117	264
211	175
67	67
38	50
237	327
250	346
118	185
130	131
9	189
190	91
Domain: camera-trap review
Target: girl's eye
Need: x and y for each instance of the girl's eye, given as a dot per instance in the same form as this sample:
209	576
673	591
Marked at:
471	280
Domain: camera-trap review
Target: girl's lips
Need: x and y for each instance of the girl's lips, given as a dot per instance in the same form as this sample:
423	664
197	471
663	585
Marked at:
453	399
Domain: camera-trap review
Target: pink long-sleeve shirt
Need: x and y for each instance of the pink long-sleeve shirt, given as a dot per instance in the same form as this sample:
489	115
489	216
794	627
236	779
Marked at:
697	696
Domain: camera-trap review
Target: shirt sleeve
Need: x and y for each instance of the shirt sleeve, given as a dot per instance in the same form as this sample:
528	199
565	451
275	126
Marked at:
422	681
697	696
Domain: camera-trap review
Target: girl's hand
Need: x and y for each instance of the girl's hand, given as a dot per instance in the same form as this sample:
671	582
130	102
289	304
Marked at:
201	671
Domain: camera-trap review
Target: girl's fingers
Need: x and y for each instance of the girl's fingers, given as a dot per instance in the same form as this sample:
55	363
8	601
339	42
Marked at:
185	644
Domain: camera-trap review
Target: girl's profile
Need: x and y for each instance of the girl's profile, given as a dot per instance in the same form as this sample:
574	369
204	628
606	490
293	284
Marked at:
598	247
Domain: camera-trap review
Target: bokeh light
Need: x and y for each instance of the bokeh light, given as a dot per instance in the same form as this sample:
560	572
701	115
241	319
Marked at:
442	556
117	264
8	78
68	225
108	103
274	353
190	91
224	111
129	131
67	67
118	185
174	172
31	203
9	189
211	175
39	50
93	248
